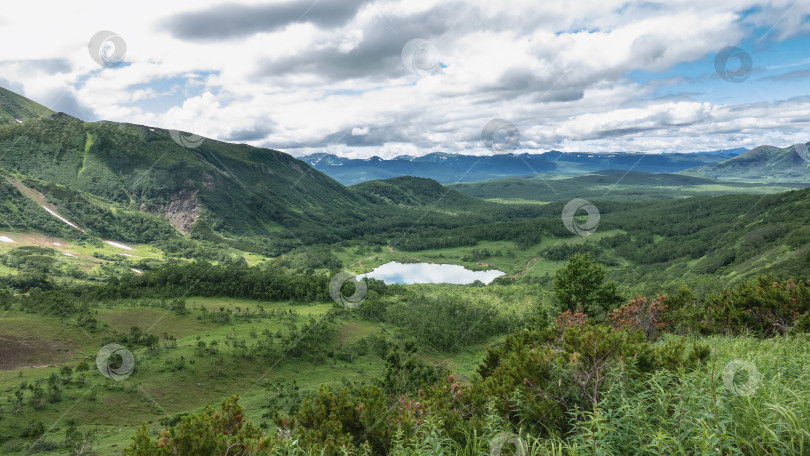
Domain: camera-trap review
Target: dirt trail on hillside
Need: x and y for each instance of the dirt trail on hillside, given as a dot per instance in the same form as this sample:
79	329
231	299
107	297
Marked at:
360	263
515	275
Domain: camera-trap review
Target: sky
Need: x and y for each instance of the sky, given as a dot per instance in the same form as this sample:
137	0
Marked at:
411	77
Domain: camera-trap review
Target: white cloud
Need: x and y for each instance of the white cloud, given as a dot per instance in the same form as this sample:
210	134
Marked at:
566	73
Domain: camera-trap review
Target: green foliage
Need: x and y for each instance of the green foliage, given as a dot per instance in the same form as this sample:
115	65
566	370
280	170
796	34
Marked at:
79	443
405	374
18	213
209	432
336	421
173	279
445	321
762	305
542	385
580	287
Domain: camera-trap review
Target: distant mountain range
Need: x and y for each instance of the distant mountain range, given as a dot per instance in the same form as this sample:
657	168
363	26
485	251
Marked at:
762	164
454	168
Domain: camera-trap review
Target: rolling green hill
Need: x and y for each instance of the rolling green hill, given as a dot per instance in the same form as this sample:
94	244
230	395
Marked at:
614	186
414	191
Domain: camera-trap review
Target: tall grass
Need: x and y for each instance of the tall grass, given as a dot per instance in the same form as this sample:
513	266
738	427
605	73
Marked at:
670	413
696	413
683	413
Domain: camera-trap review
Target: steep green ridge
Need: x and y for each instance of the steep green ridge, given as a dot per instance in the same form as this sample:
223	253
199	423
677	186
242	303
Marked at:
234	190
764	163
15	108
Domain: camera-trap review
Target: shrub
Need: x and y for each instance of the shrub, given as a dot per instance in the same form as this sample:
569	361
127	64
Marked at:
208	432
335	421
640	314
542	385
763	305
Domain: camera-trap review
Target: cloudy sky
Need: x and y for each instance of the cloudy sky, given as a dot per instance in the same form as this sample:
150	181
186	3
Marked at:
386	78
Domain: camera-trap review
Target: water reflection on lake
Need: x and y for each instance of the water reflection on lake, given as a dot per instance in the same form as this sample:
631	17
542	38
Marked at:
394	272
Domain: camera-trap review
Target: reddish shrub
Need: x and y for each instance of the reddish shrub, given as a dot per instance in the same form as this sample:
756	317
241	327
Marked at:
569	319
640	314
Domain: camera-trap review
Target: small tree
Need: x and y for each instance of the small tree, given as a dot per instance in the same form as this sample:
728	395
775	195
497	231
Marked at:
580	287
79	444
66	372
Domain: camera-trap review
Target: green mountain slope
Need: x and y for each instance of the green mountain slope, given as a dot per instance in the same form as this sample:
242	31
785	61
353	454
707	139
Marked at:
234	190
15	108
764	163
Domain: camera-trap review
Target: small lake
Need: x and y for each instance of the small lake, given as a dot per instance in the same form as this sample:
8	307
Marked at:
394	272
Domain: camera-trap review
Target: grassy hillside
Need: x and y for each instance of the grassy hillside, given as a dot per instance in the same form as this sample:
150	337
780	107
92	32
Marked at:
234	190
15	108
286	356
